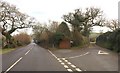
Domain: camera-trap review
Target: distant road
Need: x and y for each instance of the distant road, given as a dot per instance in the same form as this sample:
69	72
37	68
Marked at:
34	58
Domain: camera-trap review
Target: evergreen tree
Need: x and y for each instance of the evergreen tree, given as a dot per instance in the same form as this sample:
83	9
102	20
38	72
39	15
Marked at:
64	29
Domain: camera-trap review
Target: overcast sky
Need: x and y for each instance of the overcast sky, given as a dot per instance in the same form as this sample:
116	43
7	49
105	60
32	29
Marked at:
44	10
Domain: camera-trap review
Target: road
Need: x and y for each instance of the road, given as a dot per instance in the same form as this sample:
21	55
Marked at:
30	58
90	59
35	58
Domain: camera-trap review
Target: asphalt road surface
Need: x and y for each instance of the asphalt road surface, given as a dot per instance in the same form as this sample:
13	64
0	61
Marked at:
90	59
35	58
30	58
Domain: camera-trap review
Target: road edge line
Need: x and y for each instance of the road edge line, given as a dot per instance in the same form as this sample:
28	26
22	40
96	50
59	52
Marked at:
53	54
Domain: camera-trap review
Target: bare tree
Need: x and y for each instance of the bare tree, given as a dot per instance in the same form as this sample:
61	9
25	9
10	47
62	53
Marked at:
11	19
38	29
112	24
84	20
22	38
53	26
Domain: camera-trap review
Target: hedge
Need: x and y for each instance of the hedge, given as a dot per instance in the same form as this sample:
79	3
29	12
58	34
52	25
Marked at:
110	40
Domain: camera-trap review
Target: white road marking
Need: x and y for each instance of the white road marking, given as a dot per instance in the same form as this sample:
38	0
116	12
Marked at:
13	65
78	69
63	63
102	52
73	66
27	52
60	61
68	62
70	70
78	55
53	54
66	66
63	58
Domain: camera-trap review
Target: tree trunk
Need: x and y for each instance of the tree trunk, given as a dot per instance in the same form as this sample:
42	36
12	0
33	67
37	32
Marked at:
8	40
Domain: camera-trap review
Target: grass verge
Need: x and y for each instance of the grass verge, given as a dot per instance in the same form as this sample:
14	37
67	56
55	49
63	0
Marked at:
6	50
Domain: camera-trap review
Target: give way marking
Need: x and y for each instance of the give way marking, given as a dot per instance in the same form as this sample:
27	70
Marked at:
102	52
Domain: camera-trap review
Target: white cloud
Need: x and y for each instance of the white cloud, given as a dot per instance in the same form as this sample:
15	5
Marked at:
54	9
44	10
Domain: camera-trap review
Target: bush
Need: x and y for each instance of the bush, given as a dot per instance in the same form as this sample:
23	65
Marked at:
116	46
77	38
57	37
85	41
92	39
3	41
110	40
22	39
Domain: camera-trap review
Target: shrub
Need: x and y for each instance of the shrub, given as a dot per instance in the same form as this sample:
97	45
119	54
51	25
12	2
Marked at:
85	41
110	40
57	37
77	38
22	39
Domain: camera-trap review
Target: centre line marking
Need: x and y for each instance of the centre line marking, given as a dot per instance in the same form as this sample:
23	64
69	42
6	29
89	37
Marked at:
13	65
27	52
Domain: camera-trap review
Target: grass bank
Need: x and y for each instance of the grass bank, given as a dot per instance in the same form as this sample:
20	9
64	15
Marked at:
6	50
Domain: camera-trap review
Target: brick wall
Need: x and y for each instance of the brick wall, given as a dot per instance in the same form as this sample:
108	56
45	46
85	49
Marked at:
65	44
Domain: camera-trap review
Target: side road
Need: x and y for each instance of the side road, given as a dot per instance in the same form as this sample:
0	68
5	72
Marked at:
93	58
